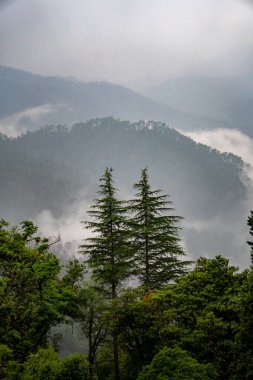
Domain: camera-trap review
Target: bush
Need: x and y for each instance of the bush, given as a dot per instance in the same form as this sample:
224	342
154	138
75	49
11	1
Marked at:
176	364
44	364
74	367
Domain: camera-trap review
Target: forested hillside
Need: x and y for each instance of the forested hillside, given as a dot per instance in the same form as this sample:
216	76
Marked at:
56	169
36	166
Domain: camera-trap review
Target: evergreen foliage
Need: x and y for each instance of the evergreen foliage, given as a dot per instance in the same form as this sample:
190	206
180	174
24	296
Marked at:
197	327
108	251
155	236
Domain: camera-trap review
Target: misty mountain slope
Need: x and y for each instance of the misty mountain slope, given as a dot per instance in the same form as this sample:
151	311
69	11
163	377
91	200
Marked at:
29	101
228	99
29	183
51	167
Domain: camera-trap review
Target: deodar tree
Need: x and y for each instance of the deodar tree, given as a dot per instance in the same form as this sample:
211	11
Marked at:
107	250
155	240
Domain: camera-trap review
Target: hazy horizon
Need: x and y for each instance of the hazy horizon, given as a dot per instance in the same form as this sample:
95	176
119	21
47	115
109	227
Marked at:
132	43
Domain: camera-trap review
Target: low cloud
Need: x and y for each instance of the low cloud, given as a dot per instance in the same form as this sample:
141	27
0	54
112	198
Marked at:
219	236
29	119
223	235
228	140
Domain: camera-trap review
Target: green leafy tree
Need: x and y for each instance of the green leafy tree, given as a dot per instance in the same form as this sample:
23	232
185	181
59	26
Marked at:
74	367
176	364
205	307
44	364
139	326
243	361
72	290
31	300
155	236
86	307
9	369
108	250
93	324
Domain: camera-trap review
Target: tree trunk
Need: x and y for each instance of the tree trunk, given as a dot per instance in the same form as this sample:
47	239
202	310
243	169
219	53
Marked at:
116	357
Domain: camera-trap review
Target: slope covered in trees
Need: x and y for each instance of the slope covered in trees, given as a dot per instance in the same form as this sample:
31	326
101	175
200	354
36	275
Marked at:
195	327
66	161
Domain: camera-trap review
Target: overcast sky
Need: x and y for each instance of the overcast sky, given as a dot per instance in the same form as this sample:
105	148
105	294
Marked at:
133	42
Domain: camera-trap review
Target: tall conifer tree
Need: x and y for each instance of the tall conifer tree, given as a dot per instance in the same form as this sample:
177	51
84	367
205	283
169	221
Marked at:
108	250
155	236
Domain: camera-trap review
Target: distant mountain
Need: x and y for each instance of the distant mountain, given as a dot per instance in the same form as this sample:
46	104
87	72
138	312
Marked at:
57	169
29	101
230	100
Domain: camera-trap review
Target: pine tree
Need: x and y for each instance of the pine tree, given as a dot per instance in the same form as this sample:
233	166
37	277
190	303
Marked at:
108	250
155	236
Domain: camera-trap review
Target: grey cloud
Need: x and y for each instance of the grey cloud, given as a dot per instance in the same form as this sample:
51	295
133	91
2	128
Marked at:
132	42
5	3
218	236
228	140
29	119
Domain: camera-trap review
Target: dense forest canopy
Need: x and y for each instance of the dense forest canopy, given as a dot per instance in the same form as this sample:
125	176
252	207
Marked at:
193	322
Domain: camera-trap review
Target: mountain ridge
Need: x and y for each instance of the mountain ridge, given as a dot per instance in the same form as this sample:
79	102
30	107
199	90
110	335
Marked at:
54	172
73	101
227	99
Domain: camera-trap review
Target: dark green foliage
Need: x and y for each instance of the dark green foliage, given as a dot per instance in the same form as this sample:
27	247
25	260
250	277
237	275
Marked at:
74	367
44	364
30	292
200	313
176	364
205	305
72	288
107	252
93	324
154	229
139	329
197	327
242	366
9	368
243	362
